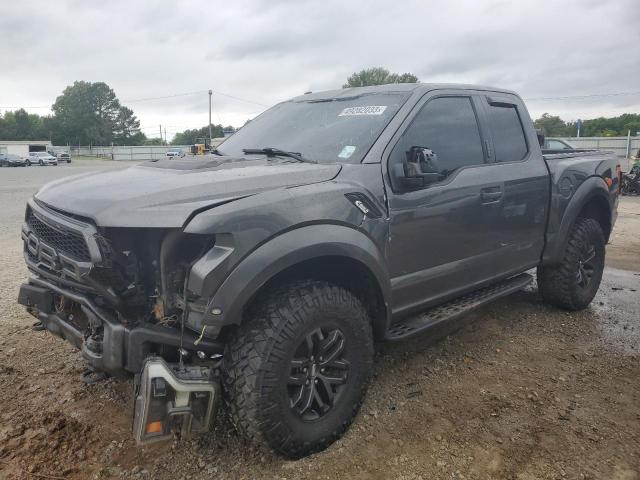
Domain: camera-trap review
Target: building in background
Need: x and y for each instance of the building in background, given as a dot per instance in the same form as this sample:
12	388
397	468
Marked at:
23	147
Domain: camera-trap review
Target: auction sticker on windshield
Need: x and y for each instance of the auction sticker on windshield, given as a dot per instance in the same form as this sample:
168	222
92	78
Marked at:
347	151
364	110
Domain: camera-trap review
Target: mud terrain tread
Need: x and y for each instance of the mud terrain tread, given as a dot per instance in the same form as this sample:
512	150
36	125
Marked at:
246	366
556	284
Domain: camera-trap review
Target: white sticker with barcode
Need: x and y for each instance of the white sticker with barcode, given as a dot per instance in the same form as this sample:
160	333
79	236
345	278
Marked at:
364	110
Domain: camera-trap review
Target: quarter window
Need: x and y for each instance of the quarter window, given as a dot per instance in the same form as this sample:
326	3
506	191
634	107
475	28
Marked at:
508	136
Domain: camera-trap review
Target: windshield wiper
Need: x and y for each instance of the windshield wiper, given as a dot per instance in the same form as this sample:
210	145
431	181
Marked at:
276	152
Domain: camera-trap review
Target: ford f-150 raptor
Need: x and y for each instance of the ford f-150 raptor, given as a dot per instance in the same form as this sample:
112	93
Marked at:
263	272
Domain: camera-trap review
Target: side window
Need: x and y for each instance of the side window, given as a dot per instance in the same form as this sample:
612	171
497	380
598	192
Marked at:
448	129
508	135
557	145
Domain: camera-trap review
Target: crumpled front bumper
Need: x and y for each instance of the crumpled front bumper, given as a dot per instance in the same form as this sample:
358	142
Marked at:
121	350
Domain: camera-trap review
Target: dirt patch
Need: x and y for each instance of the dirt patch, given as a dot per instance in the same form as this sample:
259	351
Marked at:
51	442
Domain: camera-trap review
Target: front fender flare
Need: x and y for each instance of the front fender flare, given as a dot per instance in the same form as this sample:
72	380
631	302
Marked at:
287	250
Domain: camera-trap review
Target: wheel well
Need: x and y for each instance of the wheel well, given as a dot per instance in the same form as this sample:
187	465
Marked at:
346	272
598	209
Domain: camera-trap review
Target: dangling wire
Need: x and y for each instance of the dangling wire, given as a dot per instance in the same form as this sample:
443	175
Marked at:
181	351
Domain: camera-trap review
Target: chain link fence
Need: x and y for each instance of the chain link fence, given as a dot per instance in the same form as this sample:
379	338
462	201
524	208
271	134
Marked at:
133	153
623	147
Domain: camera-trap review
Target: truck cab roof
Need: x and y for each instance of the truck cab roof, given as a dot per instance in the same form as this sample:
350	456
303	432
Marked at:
393	88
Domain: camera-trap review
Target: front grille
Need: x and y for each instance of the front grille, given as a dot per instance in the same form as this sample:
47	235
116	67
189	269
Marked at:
68	243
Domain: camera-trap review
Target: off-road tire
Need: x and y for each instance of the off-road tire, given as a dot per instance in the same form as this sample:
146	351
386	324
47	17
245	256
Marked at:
559	284
258	359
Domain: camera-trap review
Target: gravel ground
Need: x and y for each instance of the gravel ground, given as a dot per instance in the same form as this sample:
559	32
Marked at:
514	390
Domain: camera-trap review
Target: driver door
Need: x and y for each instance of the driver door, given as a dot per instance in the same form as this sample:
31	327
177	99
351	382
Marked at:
439	234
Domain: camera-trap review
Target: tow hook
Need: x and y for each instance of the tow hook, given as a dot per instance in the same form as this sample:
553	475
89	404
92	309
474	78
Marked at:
170	398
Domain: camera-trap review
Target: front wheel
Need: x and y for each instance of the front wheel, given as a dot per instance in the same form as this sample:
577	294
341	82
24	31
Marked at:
296	372
41	163
574	282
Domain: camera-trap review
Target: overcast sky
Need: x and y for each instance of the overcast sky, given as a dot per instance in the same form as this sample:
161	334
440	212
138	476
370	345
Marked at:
267	51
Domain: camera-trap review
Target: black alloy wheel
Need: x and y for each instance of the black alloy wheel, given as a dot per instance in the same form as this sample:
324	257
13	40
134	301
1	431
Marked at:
318	373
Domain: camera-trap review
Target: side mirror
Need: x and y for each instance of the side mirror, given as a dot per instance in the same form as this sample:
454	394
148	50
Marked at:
420	168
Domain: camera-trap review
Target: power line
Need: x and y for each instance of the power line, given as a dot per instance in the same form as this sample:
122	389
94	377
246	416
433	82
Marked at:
240	99
148	99
7	107
587	96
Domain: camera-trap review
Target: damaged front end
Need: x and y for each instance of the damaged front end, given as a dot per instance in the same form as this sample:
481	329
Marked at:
119	295
173	398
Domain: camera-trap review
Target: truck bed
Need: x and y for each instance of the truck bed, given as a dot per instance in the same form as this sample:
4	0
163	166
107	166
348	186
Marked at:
566	153
569	172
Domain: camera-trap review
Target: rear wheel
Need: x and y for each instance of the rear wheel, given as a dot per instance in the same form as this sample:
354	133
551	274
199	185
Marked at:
297	371
574	282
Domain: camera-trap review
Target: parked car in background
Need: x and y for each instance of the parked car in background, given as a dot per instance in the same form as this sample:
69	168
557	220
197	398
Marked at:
175	152
557	144
63	157
11	160
41	158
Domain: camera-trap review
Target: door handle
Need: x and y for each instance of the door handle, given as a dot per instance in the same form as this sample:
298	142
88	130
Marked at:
490	195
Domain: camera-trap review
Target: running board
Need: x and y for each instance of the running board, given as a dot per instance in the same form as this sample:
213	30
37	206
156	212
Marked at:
457	307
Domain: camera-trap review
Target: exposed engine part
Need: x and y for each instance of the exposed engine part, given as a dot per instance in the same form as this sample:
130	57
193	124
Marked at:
169	398
60	303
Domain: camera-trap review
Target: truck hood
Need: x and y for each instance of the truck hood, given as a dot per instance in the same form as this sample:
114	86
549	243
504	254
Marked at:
165	194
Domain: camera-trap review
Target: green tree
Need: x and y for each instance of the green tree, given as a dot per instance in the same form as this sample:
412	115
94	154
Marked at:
614	126
126	128
554	126
20	125
91	113
378	76
633	126
153	141
190	137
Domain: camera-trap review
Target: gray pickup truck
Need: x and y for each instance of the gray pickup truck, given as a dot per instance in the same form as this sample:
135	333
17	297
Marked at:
264	272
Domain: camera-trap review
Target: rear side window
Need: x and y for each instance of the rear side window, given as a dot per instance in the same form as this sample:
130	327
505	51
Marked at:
508	135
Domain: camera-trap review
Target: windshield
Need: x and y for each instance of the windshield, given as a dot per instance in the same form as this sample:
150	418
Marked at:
324	131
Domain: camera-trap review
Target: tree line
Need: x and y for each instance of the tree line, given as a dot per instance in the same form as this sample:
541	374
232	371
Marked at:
554	126
85	113
90	113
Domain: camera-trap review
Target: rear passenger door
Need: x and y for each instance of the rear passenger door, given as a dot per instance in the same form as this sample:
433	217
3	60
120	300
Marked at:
517	231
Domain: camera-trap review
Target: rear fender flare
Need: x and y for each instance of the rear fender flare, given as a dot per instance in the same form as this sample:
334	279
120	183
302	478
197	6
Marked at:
287	250
591	188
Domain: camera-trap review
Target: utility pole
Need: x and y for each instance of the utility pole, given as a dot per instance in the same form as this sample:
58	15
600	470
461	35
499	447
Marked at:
210	93
165	136
160	133
578	127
